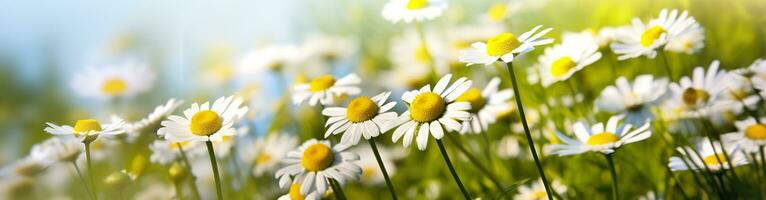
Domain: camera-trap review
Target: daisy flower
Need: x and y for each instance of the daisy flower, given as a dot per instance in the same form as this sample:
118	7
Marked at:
324	89
634	100
88	130
408	52
264	155
562	60
164	152
750	135
62	149
269	58
294	193
461	37
327	48
644	39
413	10
536	191
600	138
689	42
486	105
363	117
314	163
160	113
112	81
432	111
504	46
712	157
204	122
697	95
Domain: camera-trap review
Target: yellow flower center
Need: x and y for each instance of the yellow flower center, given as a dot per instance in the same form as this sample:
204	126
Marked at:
422	54
178	145
86	125
417	4
114	86
427	106
368	172
317	157
562	66
321	83
650	35
473	96
263	158
692	96
205	123
502	44
602	138
497	11
539	194
716	159
756	132
295	192
361	109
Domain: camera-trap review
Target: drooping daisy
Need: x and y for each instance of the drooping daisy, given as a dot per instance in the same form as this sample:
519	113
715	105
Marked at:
712	156
432	111
88	130
504	46
697	95
112	81
561	61
314	163
644	39
294	193
164	152
160	113
204	122
269	58
600	138
750	135
413	10
264	155
633	100
364	116
536	191
486	105
689	42
324	89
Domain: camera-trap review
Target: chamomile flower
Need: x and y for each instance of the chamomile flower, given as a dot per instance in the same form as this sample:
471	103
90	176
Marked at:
204	122
324	89
314	163
413	10
536	191
712	156
461	37
264	155
600	138
88	130
294	193
160	113
486	105
562	60
750	135
164	151
269	58
644	39
61	149
408	52
363	117
112	81
689	42
697	95
431	111
327	48
504	46
634	100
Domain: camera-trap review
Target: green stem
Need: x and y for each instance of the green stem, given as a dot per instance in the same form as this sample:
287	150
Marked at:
382	168
422	35
667	65
84	183
90	170
615	190
678	183
337	189
526	130
452	169
214	164
179	191
478	164
193	181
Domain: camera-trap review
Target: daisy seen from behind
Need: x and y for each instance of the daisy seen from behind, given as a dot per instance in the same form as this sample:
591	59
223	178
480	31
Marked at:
504	47
324	89
486	105
413	10
317	163
634	100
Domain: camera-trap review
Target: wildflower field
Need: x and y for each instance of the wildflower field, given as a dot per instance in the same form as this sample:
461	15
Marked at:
383	99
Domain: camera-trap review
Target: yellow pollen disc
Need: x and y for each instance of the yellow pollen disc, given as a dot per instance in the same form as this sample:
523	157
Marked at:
422	54
321	83
263	158
687	45
85	125
756	132
473	96
427	106
562	66
317	157
175	145
205	123
602	138
417	4
295	192
497	11
502	44
650	35
692	96
368	172
714	159
114	86
361	109
539	194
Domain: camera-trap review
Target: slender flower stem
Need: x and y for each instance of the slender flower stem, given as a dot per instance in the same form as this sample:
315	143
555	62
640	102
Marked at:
214	164
179	191
193	181
90	170
667	65
337	189
478	164
678	183
84	183
382	168
526	130
452	169
615	190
